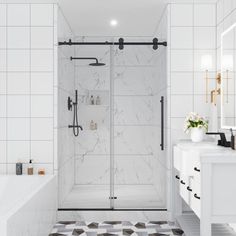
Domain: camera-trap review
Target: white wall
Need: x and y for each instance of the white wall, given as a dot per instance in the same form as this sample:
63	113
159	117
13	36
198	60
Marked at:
191	34
27	74
36	77
65	87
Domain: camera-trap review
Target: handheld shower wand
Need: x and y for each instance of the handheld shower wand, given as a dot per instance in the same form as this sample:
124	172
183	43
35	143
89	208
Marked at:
76	127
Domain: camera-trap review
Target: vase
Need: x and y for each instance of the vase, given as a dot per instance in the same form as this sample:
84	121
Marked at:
197	134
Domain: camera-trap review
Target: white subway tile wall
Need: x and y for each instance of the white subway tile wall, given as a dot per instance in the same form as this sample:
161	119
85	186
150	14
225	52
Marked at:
192	34
27	71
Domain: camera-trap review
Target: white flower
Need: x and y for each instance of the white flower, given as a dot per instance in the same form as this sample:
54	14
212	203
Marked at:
192	120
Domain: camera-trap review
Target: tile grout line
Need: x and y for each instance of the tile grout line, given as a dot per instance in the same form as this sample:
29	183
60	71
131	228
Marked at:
193	57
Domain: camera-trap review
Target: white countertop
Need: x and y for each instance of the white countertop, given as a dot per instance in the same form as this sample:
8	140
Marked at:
209	151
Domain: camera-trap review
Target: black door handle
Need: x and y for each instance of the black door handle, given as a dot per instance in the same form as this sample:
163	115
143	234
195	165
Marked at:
189	189
196	196
182	182
177	177
162	123
196	169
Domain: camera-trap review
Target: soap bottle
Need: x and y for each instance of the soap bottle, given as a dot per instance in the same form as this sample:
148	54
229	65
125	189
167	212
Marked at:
19	168
92	125
95	126
41	171
30	169
98	101
92	100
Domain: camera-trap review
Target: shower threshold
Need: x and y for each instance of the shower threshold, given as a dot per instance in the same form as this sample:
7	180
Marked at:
110	209
128	198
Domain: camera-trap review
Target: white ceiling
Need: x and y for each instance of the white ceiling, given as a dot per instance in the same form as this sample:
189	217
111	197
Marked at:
92	17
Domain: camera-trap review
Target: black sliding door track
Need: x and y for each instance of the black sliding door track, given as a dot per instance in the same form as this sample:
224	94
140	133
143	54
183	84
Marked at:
110	209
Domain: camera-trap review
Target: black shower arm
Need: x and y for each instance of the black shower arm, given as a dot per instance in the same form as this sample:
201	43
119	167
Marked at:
84	58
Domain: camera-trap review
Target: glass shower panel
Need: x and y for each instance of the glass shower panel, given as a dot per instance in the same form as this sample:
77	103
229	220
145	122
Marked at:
118	160
92	154
139	176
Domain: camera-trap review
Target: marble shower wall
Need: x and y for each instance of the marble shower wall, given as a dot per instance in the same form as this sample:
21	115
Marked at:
93	146
139	75
65	87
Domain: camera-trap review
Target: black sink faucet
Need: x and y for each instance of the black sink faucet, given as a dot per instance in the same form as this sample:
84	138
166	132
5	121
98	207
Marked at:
223	141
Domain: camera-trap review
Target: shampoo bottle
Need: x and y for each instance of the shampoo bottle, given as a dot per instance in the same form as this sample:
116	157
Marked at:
98	101
19	168
30	169
91	100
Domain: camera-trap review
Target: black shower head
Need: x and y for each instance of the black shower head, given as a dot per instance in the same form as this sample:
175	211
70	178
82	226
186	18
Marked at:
97	64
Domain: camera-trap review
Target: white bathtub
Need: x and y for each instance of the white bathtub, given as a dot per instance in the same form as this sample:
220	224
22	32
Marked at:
27	205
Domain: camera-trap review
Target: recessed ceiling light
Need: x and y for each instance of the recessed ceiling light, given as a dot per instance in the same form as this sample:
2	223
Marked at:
113	22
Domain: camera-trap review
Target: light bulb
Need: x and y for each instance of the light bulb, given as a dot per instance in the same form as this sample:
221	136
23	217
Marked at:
113	22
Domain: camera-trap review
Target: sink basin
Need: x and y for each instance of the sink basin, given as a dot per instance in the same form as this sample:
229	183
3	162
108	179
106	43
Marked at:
187	155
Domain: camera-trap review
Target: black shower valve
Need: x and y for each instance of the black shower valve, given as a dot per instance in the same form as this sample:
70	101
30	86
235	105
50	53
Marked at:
69	104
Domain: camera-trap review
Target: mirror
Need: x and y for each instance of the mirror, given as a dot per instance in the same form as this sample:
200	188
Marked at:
228	83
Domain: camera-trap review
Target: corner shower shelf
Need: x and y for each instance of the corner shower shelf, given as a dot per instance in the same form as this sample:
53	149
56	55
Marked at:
103	94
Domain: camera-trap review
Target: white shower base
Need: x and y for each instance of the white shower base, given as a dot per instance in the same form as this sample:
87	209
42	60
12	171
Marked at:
128	196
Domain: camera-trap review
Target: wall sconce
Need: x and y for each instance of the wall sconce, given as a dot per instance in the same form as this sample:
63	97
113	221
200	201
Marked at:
206	65
227	66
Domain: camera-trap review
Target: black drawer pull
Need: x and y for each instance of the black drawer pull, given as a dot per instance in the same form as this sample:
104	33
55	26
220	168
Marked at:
182	182
177	177
189	189
196	196
196	169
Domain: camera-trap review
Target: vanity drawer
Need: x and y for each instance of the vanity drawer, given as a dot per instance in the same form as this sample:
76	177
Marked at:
196	170
195	196
183	184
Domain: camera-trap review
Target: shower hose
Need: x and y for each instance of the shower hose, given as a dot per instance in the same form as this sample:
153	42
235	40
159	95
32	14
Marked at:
75	120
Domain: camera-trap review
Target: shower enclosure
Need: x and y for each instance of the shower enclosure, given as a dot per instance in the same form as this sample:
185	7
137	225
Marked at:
119	155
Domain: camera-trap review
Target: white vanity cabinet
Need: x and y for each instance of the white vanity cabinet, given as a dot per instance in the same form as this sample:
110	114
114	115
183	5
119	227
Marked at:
205	178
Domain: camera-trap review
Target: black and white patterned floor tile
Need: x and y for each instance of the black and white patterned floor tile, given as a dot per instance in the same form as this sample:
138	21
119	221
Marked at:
115	228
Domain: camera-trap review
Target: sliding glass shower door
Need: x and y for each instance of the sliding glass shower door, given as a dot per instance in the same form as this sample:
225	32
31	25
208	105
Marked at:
139	176
118	160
